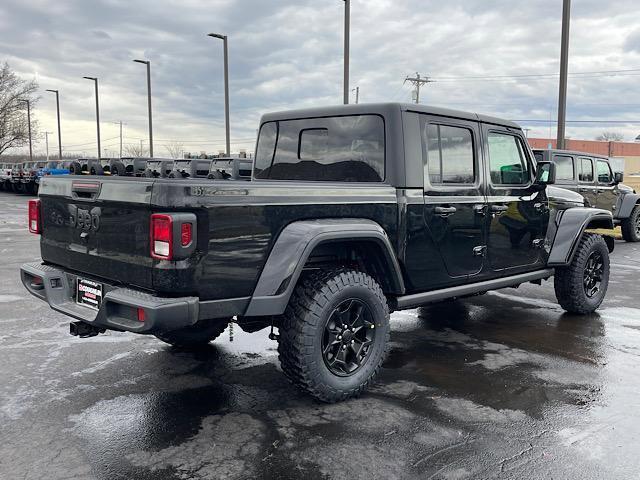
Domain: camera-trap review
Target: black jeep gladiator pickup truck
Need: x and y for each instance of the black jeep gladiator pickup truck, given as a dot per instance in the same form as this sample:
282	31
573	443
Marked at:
351	212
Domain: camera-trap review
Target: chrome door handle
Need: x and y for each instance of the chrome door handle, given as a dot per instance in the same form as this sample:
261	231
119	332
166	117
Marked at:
445	211
480	209
499	208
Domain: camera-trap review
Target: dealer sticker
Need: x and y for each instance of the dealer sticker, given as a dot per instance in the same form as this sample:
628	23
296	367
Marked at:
89	293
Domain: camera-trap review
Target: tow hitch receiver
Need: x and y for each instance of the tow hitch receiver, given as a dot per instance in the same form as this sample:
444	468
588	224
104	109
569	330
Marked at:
84	330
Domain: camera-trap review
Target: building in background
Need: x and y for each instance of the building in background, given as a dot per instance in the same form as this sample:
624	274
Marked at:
625	155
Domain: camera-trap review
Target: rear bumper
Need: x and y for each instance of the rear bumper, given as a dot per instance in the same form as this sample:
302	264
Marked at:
119	309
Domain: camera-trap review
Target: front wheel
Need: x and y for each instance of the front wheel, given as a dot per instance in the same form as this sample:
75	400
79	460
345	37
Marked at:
334	334
195	336
631	226
582	285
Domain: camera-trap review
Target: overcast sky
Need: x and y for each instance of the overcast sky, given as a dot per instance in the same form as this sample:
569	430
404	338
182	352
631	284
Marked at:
288	54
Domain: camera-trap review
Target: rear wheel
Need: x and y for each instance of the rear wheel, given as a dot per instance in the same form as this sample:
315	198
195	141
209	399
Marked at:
334	334
582	285
631	226
195	336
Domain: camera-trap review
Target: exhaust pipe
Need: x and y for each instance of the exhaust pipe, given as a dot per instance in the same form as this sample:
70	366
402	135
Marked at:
84	330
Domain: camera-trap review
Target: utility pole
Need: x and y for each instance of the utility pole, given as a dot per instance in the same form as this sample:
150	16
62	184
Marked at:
148	64
59	132
347	34
417	82
46	142
564	65
357	90
95	80
29	126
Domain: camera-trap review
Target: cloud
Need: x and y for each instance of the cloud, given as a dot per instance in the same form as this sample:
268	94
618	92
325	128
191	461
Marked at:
288	54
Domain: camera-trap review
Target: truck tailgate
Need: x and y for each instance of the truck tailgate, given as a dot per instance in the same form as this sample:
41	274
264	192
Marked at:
98	226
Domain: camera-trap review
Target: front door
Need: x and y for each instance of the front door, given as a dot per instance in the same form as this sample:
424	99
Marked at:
518	211
606	189
455	204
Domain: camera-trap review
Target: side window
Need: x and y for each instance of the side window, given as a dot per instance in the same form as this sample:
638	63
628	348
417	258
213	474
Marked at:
604	172
564	167
507	161
449	154
539	156
586	170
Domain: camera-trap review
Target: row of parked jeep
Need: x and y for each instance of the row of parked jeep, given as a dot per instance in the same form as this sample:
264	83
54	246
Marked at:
25	177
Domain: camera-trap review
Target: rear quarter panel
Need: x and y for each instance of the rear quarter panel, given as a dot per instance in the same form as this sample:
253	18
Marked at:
238	223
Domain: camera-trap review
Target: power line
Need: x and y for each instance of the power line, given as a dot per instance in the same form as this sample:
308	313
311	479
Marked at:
536	75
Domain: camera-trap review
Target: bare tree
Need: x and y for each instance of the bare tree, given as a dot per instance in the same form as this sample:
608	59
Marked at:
135	150
14	128
174	149
610	137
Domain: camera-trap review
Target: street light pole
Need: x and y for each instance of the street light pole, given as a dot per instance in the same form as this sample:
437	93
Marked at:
29	126
46	142
226	88
564	65
148	64
59	132
347	34
95	80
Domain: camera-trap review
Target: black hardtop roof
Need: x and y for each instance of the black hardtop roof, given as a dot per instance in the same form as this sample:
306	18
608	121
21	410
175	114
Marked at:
570	152
383	109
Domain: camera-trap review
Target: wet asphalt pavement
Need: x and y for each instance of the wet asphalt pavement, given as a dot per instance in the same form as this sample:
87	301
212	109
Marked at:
504	385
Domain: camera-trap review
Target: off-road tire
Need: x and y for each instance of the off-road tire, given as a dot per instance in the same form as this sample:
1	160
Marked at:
118	168
75	168
631	226
195	336
569	280
302	327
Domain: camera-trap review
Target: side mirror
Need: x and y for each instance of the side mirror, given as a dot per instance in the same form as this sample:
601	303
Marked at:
618	177
546	173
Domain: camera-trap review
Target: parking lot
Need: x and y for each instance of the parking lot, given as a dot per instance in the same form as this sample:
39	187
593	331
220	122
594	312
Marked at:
503	385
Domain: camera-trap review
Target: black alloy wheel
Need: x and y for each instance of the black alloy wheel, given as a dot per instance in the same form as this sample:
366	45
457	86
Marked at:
593	274
348	336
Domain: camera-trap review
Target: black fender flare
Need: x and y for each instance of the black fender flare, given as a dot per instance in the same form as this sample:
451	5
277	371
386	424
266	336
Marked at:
569	228
292	249
627	204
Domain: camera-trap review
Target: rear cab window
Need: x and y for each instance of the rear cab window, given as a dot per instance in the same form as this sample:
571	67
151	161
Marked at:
336	149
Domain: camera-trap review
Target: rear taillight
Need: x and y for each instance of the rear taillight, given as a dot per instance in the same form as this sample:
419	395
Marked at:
35	225
161	236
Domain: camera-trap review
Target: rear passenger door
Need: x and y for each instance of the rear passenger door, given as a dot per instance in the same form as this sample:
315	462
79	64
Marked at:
518	212
455	204
586	181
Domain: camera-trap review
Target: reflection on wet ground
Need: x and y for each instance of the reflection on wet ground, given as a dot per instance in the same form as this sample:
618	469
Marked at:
503	385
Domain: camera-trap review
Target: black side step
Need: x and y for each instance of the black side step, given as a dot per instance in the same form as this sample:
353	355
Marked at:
417	299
